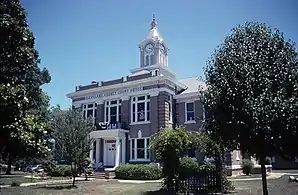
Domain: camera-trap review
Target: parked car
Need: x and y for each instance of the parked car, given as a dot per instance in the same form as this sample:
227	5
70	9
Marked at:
35	168
27	168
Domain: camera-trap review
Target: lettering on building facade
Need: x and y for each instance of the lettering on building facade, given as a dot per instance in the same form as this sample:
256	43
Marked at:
114	93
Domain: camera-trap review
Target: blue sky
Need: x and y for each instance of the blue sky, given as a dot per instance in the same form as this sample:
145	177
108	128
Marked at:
84	40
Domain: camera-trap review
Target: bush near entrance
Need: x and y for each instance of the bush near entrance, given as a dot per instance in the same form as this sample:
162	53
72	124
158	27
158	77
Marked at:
138	172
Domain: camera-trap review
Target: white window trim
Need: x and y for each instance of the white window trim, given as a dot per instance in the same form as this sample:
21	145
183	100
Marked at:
171	109
135	150
85	109
185	112
109	111
134	103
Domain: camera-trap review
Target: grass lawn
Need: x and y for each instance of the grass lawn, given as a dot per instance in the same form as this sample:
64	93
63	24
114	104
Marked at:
8	179
276	187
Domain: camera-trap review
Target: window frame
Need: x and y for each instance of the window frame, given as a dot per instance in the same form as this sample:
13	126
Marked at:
134	109
85	110
171	109
118	105
134	149
186	112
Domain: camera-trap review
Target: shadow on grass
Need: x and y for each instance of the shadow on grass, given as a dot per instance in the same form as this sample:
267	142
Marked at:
157	192
58	187
165	192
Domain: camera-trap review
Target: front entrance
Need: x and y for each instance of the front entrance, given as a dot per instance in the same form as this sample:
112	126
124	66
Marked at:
110	154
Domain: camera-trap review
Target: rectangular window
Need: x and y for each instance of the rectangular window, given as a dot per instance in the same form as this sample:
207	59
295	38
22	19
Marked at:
113	111
89	110
139	149
190	111
140	109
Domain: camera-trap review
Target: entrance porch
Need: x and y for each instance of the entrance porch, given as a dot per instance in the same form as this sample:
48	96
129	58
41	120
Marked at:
109	147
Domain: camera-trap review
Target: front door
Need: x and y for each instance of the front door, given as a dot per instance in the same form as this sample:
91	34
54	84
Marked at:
111	153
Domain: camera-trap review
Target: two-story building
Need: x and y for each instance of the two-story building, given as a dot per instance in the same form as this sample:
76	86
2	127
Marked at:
130	109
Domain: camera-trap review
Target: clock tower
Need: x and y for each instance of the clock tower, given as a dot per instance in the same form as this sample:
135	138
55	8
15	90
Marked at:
153	50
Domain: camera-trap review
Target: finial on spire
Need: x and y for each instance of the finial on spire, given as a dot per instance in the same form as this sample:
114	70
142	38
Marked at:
153	23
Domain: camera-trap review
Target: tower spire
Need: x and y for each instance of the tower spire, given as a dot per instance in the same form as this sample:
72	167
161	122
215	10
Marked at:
153	23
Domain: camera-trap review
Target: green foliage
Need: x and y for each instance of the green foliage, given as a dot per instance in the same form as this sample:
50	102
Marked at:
138	172
48	165
61	171
72	135
252	86
247	166
15	183
23	105
252	94
169	145
208	167
188	167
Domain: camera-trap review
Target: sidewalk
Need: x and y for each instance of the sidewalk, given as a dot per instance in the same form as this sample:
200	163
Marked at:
50	182
271	176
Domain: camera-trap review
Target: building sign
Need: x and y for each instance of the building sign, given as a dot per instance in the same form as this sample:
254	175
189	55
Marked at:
115	92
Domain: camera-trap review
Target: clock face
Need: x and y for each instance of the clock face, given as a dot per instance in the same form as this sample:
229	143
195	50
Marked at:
149	48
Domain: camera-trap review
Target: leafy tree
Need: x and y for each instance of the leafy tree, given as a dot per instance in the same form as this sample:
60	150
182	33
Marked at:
20	81
72	131
168	146
251	99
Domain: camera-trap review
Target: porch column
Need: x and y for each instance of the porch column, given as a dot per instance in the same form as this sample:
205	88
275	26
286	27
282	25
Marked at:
97	150
117	159
91	151
123	150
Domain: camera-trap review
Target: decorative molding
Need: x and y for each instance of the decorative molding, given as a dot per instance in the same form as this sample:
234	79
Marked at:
140	134
137	83
100	102
119	96
125	98
154	93
77	105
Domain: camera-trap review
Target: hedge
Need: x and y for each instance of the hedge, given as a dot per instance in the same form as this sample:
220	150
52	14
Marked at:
189	167
138	172
60	171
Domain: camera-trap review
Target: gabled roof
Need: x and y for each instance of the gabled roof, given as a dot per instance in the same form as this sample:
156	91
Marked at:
193	84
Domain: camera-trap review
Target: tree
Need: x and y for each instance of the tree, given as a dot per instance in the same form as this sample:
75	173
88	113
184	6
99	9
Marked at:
169	146
20	82
72	131
251	99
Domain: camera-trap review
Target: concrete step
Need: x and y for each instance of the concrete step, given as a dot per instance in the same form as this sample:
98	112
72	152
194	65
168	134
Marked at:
98	175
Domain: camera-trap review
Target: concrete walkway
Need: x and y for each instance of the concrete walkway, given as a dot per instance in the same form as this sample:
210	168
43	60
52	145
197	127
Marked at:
139	181
271	176
49	182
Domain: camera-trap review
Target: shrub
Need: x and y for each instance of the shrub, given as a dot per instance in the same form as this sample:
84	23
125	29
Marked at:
247	166
61	171
188	167
15	183
207	167
138	172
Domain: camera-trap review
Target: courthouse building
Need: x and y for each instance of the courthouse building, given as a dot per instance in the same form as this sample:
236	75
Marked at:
130	109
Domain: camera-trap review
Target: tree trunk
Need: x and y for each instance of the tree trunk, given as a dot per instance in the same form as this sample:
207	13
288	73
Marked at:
263	171
219	170
74	172
9	164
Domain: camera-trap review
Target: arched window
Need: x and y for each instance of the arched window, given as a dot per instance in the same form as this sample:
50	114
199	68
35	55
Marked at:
151	59
147	61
